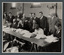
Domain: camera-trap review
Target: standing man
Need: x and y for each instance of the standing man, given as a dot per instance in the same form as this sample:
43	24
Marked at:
25	22
10	18
33	19
30	22
53	22
44	23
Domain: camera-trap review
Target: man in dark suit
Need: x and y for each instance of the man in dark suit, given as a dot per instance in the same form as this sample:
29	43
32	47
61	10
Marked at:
14	24
44	23
10	17
33	19
25	22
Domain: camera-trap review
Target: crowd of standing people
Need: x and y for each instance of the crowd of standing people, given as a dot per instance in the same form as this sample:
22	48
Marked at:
50	25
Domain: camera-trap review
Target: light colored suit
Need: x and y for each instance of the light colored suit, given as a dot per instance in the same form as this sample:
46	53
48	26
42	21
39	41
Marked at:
52	23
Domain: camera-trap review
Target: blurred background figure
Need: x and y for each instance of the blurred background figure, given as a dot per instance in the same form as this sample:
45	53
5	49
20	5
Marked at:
25	22
57	32
14	24
10	19
4	18
53	21
32	20
35	19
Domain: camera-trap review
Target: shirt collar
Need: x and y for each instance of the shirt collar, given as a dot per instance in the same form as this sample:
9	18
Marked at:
41	17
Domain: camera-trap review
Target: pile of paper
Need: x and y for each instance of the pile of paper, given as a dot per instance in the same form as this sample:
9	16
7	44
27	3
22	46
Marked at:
50	39
13	29
6	29
26	33
4	26
19	30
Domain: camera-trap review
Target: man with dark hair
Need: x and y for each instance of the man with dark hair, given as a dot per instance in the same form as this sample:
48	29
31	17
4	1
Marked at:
33	19
57	32
14	24
10	18
25	22
44	23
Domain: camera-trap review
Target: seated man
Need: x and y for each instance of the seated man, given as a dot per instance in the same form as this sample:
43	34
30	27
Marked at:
38	33
14	24
57	32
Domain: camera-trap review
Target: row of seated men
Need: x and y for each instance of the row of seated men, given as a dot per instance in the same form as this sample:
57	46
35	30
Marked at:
51	26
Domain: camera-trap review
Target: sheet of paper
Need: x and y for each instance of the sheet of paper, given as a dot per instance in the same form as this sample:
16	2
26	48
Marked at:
4	26
55	40
6	29
24	33
19	30
28	35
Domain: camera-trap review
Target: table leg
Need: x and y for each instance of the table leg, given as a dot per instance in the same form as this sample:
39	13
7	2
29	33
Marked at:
32	47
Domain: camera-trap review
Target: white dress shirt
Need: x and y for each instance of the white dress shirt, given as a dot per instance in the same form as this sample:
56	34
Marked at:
39	33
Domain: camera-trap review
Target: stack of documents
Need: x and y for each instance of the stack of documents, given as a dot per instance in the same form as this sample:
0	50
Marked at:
6	29
50	39
26	33
4	26
19	30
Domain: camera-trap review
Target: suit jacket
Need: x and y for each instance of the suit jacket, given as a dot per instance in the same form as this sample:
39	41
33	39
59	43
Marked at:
32	22
14	25
44	23
10	20
25	23
37	20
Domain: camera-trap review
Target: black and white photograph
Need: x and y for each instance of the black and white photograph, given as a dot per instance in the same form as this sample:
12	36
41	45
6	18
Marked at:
32	27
